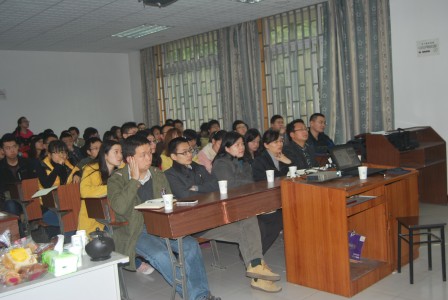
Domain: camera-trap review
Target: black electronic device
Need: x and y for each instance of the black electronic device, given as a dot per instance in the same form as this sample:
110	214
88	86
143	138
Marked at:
347	161
322	176
157	3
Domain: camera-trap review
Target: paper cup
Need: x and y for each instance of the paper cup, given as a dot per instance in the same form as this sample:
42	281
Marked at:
292	171
270	175
83	235
222	186
362	172
77	241
168	202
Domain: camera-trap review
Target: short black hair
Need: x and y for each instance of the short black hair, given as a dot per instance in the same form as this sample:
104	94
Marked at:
291	125
228	140
190	134
57	146
131	143
128	126
270	136
213	122
238	122
218	135
172	146
275	118
165	126
89	132
75	129
315	116
65	134
49	135
177	121
8	137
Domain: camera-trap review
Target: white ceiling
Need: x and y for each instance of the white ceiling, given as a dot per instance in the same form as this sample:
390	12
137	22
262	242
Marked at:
87	25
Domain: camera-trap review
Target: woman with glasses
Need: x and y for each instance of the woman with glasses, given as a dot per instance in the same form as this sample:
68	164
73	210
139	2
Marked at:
272	158
56	170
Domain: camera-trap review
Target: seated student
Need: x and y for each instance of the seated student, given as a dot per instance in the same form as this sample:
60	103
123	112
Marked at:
108	135
160	147
316	137
13	168
116	131
156	131
156	160
74	153
278	123
298	150
91	149
48	138
90	132
240	127
128	129
192	138
167	162
208	153
203	135
55	170
35	154
74	131
188	178
94	180
128	187
23	135
179	125
141	126
251	145
271	158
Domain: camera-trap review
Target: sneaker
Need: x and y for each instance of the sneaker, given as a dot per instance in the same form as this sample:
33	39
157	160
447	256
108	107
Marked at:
265	286
145	269
262	272
209	297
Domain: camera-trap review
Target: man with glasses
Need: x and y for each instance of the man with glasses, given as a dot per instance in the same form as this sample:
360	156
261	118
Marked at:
316	137
188	178
298	150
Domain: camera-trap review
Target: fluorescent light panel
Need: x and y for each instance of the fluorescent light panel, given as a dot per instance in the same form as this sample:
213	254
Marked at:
140	31
249	1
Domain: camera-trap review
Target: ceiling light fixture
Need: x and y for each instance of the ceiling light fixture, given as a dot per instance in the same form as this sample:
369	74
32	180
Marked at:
249	1
140	31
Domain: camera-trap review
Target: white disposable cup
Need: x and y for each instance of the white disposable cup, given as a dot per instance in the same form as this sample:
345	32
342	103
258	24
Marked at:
77	241
83	235
78	252
292	171
270	175
168	201
360	157
222	186
362	172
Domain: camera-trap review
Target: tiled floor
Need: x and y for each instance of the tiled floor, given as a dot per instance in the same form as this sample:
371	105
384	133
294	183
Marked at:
231	283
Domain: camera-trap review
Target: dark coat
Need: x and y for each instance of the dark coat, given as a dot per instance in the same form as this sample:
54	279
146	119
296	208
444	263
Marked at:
264	162
297	155
236	171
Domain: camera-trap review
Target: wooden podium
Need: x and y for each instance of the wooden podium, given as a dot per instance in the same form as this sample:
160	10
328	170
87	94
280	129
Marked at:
429	158
318	216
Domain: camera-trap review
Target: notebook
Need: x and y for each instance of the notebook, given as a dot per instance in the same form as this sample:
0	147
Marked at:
347	161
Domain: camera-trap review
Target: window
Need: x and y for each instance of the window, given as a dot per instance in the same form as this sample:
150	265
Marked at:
191	79
293	62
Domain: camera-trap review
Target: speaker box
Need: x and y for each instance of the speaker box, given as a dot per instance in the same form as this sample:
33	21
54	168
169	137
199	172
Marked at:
158	3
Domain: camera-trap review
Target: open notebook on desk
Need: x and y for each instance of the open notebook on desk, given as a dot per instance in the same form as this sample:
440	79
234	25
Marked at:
347	161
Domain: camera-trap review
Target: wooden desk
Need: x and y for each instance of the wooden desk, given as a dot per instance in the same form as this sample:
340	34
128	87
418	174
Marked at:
9	221
214	209
317	220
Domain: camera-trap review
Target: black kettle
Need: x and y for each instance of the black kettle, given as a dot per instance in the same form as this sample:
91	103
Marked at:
100	246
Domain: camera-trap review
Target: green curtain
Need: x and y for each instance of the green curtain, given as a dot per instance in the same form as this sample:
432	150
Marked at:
149	86
356	87
240	74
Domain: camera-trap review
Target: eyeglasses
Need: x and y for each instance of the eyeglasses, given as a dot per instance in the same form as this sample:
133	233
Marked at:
300	130
185	153
279	141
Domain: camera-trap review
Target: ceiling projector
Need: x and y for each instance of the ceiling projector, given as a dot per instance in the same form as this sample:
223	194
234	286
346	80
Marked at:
158	3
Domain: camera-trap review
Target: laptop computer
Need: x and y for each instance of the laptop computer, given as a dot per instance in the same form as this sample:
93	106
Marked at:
347	161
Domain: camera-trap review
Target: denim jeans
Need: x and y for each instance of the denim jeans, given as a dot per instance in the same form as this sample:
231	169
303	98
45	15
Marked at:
155	251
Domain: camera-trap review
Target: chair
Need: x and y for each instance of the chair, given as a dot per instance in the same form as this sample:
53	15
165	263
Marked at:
22	193
216	259
100	209
415	225
65	202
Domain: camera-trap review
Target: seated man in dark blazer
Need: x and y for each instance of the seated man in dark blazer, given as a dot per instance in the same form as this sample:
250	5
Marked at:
317	137
299	151
188	178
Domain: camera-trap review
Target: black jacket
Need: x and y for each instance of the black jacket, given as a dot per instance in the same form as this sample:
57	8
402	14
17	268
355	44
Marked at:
182	178
236	171
24	171
298	154
264	162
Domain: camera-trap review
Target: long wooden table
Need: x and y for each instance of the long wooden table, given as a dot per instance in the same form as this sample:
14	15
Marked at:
316	224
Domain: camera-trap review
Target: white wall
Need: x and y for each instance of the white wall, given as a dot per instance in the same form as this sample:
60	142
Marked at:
57	90
420	83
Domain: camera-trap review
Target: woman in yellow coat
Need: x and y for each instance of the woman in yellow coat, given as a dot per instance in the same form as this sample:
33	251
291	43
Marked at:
94	180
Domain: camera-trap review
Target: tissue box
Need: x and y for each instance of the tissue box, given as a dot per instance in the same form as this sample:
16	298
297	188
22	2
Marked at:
60	264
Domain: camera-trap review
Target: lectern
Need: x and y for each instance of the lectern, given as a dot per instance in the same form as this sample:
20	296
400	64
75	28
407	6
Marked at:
429	158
